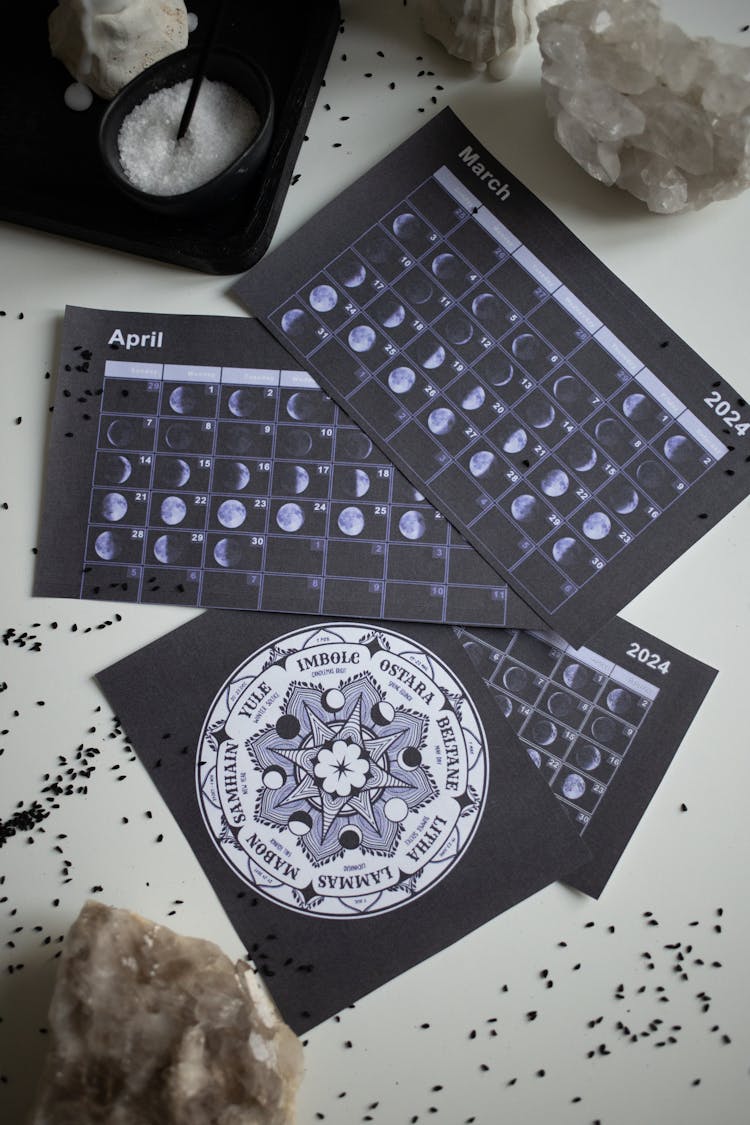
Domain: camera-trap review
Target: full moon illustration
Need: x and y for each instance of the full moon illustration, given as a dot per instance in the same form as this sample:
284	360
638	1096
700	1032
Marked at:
113	468
474	398
351	272
581	455
231	513
351	520
622	497
526	346
412	525
114	507
567	390
619	702
515	441
490	312
560	704
417	288
304	406
544	732
638	408
481	463
231	476
651	474
525	508
292	479
361	338
323	298
515	678
107	546
539	414
395	809
353	445
185	400
121	433
457	328
290	517
597	525
173	510
294	322
587	757
168	549
679	450
172	472
408	228
441	420
401	380
241	402
354	482
573	787
294	442
447	267
555	483
604	729
577	677
228	553
333	700
179	436
390	312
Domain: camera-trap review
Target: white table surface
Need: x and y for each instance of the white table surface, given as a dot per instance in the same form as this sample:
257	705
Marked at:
446	1041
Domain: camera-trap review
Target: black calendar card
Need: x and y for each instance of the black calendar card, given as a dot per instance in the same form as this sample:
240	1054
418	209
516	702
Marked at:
571	437
601	722
193	462
352	792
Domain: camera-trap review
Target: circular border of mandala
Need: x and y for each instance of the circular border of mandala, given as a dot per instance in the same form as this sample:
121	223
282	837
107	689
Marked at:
342	770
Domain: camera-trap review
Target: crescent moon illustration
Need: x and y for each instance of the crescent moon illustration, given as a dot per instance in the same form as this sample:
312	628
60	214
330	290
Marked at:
567	390
231	476
412	525
446	267
515	678
121	433
587	757
580	455
353	445
350	272
622	497
114	468
179	436
172	472
526	346
544	732
323	298
611	434
491	312
539	414
173	510
560	704
304	406
457	328
351	520
408	228
417	288
292	480
535	756
293	442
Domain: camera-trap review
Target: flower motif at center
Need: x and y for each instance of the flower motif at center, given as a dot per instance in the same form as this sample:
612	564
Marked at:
341	768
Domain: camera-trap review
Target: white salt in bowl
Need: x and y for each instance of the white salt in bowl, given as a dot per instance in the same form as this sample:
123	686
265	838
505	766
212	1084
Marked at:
234	70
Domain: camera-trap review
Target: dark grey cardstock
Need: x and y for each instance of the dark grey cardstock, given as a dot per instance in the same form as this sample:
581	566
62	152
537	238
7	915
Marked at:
602	723
513	378
193	462
510	837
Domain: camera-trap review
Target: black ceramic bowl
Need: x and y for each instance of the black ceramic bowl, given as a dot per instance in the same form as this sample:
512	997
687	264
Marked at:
237	71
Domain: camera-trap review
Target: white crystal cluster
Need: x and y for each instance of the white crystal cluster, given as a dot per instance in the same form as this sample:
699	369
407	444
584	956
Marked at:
640	104
151	1028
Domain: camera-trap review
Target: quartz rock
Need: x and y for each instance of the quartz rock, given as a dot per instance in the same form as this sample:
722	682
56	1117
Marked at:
151	1028
640	104
105	43
490	34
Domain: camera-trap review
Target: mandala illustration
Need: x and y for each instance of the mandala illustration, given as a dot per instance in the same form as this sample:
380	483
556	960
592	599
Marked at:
342	771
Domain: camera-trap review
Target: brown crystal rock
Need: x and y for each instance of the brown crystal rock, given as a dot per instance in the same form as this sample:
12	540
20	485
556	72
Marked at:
151	1028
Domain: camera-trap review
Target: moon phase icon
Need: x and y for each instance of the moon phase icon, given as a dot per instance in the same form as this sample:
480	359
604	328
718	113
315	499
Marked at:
604	729
355	483
294	442
577	677
515	441
474	398
457	328
525	508
526	346
515	678
505	705
390	312
236	438
231	476
178	436
351	521
417	288
300	823
292	479
228	553
241	402
168	549
544	732
333	700
323	298
231	513
290	517
401	380
113	468
503	372
567	390
555	483
354	445
573	787
304	406
638	408
441	421
431	354
361	338
294	322
597	525
481	463
580	455
539	413
350	272
587	757
679	450
535	756
612	435
114	507
412	525
172	472
491	312
447	267
568	552
185	400
121	433
651	475
107	546
395	809
409	229
622	497
620	702
560	704
173	510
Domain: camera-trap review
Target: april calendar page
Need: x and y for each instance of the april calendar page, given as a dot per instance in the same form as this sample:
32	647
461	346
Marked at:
552	417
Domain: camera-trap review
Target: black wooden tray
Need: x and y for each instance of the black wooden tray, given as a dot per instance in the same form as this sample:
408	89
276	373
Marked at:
52	178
